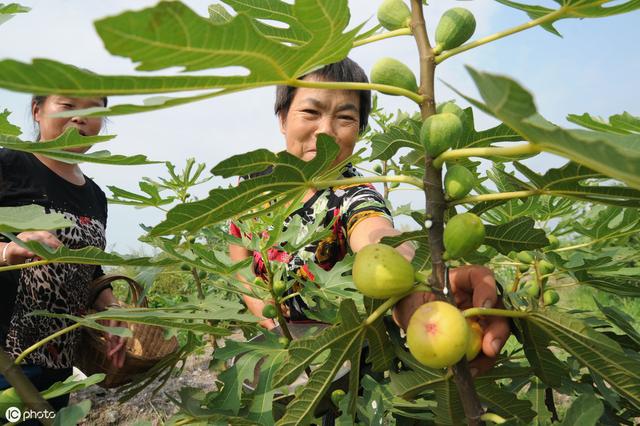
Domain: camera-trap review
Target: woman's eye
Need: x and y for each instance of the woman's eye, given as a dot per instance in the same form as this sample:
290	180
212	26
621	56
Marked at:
67	105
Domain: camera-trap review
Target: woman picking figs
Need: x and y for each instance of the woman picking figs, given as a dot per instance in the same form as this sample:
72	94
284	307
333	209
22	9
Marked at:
356	214
61	288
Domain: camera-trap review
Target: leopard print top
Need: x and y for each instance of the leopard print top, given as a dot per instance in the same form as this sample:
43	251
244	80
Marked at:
59	287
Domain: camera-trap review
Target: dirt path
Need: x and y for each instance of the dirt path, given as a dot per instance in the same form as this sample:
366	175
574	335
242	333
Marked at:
106	410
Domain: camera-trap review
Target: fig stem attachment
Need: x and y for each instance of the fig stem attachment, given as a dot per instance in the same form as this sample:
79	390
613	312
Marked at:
474	312
377	37
423	276
511	151
550	17
384	88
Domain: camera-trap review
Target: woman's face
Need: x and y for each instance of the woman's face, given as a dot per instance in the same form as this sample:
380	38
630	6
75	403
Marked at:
314	111
51	128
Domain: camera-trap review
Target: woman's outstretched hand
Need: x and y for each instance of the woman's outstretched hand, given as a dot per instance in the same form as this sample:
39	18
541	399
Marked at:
472	286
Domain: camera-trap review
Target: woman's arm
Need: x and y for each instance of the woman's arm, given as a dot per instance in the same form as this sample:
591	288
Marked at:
238	253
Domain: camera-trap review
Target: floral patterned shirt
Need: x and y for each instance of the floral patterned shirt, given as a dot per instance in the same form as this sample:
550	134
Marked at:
342	208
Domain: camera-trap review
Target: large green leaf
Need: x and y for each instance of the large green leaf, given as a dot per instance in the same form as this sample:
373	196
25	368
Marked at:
71	139
172	35
624	123
344	343
30	218
6	128
585	410
616	156
88	255
593	350
544	363
622	286
517	235
8	10
578	182
536	394
623	321
151	199
289	178
611	222
574	9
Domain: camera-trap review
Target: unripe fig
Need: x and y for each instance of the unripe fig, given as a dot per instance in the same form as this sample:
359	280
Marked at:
279	287
394	14
525	257
378	169
437	334
451	107
185	266
550	297
283	341
380	272
269	311
337	396
523	267
463	234
554	243
545	267
475	339
458	182
455	27
392	72
531	288
202	275
394	184
440	132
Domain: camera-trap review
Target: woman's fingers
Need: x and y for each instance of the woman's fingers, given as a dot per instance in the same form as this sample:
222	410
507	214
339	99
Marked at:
474	283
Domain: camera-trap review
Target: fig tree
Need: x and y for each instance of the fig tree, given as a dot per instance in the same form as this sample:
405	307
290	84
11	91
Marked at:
525	257
531	288
463	234
380	272
337	396
455	27
440	132
269	311
283	341
394	14
279	287
475	339
392	72
437	334
545	267
550	297
451	107
458	182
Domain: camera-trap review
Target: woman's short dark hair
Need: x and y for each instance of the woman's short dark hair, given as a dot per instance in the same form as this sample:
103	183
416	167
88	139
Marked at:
346	70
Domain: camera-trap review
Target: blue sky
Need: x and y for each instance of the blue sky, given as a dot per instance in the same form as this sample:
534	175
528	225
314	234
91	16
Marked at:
593	68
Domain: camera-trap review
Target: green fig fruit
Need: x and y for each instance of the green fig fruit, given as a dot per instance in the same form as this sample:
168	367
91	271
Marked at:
392	72
463	234
458	182
394	14
455	27
440	132
380	272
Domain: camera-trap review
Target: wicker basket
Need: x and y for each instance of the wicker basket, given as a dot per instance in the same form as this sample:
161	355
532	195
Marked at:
145	348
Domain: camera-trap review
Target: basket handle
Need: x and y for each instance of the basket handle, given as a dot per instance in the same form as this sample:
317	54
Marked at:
96	286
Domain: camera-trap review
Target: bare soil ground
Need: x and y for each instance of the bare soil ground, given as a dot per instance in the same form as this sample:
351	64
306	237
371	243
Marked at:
106	410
